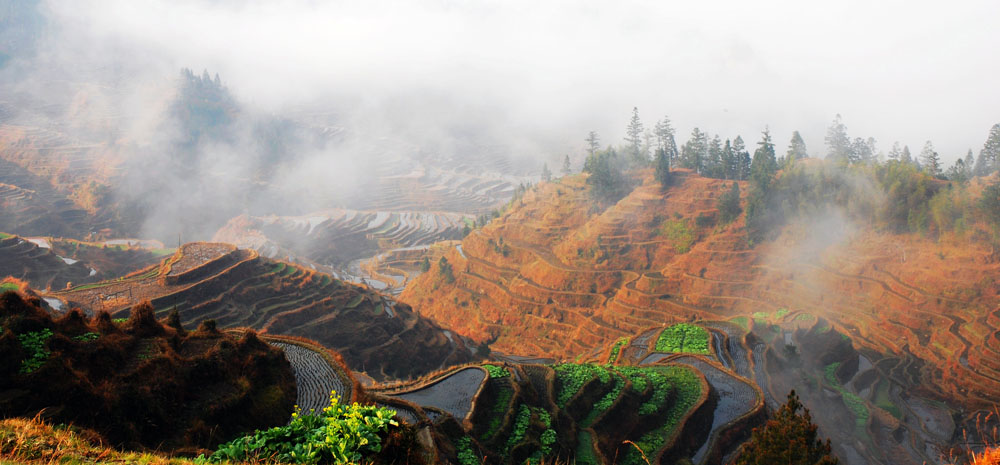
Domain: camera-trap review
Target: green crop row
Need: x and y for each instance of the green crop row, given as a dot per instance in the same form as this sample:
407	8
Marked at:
521	422
571	377
683	338
498	411
688	391
606	402
853	403
616	349
465	454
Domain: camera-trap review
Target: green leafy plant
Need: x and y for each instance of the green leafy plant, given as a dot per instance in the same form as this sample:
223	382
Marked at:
683	338
497	372
87	337
616	349
340	434
34	343
679	234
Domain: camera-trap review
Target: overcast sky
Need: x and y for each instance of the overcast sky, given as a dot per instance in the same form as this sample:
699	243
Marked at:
550	71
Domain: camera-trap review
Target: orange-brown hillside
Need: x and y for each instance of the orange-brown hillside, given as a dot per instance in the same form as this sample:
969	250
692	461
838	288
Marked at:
557	276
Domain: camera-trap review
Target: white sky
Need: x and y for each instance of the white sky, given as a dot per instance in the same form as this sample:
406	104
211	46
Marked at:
549	71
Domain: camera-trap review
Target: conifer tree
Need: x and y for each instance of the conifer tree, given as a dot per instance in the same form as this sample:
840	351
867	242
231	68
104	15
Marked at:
593	143
837	142
789	438
905	156
633	137
729	204
713	167
796	148
970	162
958	172
729	164
662	162
742	159
694	151
665	139
895	153
566	167
989	156
546	174
764	165
930	160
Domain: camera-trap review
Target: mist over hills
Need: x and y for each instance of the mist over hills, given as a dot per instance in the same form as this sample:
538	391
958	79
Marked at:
537	232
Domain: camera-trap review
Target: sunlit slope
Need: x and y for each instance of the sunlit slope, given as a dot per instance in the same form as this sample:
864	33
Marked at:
557	275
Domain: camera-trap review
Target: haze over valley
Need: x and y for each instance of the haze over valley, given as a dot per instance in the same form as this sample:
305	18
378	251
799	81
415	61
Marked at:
499	232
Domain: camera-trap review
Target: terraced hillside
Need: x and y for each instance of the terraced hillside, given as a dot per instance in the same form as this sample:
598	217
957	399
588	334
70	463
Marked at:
336	237
238	288
557	276
578	412
47	263
32	206
40	266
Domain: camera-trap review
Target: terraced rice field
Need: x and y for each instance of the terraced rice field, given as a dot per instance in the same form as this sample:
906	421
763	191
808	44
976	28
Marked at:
737	350
453	394
315	379
736	399
760	374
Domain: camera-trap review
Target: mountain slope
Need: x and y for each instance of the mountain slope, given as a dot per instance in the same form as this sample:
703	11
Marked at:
239	288
557	275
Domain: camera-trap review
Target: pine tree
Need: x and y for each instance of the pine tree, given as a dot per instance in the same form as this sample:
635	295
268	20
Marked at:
989	156
837	142
694	151
742	159
970	162
905	157
930	160
729	204
546	174
764	165
665	139
729	164
896	152
566	167
593	143
633	137
662	162
796	148
861	150
958	172
713	167
789	438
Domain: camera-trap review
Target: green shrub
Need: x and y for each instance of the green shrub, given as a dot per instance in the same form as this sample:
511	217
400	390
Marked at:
340	434
34	344
497	372
679	234
87	337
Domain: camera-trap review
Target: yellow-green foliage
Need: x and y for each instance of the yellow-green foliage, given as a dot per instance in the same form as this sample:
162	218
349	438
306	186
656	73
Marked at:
678	233
683	338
